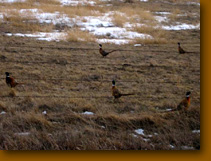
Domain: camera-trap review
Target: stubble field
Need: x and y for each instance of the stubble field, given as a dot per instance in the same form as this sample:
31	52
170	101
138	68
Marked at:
71	82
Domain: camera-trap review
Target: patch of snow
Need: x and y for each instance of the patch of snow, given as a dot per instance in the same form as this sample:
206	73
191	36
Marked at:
91	21
196	131
134	135
168	109
140	131
146	140
183	26
187	148
47	36
129	25
114	41
193	3
161	18
143	0
88	113
23	133
103	127
96	25
172	146
117	33
11	1
44	112
105	0
2	113
1	16
182	15
76	3
45	17
162	13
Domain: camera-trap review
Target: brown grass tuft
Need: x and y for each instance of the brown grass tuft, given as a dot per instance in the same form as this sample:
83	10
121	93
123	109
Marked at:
12	93
23	24
76	35
119	19
2	106
159	35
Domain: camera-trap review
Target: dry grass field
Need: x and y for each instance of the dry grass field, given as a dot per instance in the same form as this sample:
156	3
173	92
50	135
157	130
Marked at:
71	81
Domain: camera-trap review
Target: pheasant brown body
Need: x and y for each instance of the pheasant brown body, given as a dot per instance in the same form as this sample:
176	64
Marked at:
103	52
184	104
10	81
116	93
180	49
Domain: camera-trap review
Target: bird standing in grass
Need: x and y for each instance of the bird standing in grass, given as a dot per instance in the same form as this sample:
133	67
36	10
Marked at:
180	49
11	81
185	103
116	93
103	52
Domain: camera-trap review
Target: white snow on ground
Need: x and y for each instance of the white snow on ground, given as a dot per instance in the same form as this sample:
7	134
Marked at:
183	26
196	131
161	18
193	3
23	133
45	17
2	113
187	148
100	26
136	45
44	112
163	13
88	113
114	41
51	36
103	26
117	33
140	131
11	1
91	22
172	146
143	0
76	3
1	16
146	138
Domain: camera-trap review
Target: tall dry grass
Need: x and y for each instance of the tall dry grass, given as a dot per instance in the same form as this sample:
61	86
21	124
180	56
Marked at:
119	19
159	35
24	24
76	35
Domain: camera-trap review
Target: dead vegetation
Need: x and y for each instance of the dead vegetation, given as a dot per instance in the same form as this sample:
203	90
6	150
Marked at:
76	35
74	79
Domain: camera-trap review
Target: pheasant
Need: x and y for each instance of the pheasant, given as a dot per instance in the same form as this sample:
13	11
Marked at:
103	52
116	93
11	81
185	103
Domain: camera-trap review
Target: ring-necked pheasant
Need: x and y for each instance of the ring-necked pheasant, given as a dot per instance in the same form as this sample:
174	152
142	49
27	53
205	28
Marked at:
103	52
116	93
183	105
11	81
180	49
